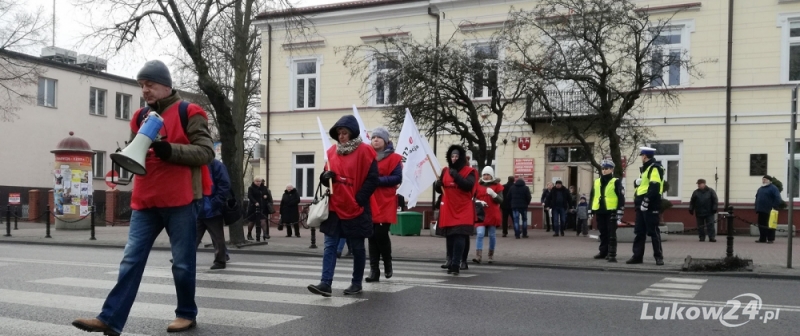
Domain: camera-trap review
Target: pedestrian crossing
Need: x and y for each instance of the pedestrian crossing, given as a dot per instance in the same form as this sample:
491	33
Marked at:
681	288
259	291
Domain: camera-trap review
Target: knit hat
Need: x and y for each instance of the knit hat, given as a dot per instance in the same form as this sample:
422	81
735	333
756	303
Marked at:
155	71
488	170
382	133
647	151
559	182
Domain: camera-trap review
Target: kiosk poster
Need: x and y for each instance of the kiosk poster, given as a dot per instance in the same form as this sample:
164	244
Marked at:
72	191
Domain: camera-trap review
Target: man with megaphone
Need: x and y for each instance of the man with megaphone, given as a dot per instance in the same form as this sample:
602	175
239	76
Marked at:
166	195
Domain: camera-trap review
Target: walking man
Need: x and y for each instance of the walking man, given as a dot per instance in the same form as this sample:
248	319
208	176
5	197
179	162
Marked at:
166	198
608	206
505	207
768	198
210	217
703	206
547	215
520	197
559	201
649	187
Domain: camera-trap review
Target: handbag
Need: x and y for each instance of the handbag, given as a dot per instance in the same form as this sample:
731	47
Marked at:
773	219
231	211
480	214
318	210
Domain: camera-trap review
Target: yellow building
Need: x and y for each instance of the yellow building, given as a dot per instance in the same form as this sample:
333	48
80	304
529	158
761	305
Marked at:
304	78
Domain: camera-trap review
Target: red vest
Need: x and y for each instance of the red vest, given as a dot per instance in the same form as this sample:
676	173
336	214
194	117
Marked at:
386	197
457	207
493	215
166	184
351	172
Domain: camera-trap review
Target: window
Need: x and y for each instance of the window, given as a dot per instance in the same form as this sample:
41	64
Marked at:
792	169
46	96
670	156
485	68
99	162
669	50
790	47
305	84
123	106
303	175
386	81
123	174
97	101
567	154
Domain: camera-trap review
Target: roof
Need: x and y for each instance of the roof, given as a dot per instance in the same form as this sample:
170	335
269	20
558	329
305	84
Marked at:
329	8
67	67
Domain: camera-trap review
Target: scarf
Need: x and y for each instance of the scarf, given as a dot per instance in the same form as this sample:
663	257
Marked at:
348	147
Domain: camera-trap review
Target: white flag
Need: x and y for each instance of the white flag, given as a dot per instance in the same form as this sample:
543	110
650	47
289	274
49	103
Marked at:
364	134
420	167
326	139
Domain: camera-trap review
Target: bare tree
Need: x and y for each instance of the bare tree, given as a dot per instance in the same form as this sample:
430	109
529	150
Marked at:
20	30
593	65
458	88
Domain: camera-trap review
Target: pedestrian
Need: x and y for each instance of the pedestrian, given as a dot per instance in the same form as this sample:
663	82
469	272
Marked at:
559	201
490	194
768	198
649	187
290	210
572	220
340	248
210	217
352	176
457	184
390	175
167	199
505	207
547	213
608	206
582	217
703	205
520	197
258	209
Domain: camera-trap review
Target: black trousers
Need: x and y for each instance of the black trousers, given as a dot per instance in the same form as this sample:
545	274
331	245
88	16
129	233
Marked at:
607	225
506	215
214	226
547	219
380	246
646	225
456	246
764	232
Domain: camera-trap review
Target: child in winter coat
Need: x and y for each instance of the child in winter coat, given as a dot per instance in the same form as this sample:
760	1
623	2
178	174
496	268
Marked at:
582	213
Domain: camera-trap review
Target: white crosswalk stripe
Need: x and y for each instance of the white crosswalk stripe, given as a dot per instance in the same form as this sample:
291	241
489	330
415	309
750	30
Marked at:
396	269
316	274
14	327
682	288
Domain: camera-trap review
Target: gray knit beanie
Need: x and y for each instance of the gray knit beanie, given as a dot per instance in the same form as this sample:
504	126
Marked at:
155	71
382	133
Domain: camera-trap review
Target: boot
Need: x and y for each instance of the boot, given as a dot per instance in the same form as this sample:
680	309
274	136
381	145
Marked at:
296	230
374	275
491	256
478	255
288	230
612	248
447	263
266	232
453	269
258	232
387	269
464	265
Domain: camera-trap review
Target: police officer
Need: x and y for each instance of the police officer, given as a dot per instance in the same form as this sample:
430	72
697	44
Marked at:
649	187
608	205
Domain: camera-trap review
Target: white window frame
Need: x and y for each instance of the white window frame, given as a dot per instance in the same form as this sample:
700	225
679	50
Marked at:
664	159
374	81
97	104
471	45
686	28
42	101
786	166
293	77
785	21
474	164
124	175
119	106
304	176
98	171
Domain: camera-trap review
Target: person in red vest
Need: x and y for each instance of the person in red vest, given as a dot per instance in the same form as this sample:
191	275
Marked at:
352	175
167	198
457	184
490	194
390	172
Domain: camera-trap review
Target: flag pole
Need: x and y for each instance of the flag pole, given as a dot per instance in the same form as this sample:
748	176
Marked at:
435	173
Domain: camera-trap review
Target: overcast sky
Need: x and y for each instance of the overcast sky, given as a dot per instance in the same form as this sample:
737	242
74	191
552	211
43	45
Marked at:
71	25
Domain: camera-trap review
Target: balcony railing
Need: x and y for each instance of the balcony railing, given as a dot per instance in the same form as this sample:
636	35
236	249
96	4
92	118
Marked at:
563	104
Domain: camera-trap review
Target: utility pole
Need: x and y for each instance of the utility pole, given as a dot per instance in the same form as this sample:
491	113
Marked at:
792	168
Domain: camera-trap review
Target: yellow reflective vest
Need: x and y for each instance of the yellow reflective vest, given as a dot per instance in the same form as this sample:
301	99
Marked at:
609	195
649	175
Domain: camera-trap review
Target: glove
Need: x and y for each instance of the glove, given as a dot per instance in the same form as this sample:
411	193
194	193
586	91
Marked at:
437	184
637	183
453	172
620	213
491	192
645	204
328	175
691	212
482	203
162	149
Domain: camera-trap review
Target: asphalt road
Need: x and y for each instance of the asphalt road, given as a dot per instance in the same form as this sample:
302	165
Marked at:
43	288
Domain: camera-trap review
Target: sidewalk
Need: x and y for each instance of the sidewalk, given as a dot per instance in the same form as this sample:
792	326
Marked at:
540	250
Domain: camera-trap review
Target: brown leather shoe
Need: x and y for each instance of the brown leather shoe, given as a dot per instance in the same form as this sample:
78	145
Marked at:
181	324
94	325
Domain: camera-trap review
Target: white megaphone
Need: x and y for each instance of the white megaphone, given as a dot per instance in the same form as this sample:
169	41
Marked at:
132	157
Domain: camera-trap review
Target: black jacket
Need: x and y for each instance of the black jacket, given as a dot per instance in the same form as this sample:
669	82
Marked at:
520	195
559	198
618	189
506	205
255	194
290	210
545	193
704	202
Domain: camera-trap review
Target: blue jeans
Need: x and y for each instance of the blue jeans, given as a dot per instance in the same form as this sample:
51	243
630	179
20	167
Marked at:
559	219
329	258
340	247
480	231
145	226
517	213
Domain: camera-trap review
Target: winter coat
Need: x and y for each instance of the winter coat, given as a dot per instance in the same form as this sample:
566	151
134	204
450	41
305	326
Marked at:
519	196
256	194
290	206
506	205
767	198
361	225
492	214
458	184
220	190
582	211
390	172
545	193
559	198
704	202
618	189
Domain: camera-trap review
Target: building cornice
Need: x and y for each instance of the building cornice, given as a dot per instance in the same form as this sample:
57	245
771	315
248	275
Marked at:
387	10
67	67
304	45
380	37
671	8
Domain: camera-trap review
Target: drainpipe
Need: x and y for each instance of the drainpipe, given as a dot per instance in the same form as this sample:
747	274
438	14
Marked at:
728	107
269	97
435	122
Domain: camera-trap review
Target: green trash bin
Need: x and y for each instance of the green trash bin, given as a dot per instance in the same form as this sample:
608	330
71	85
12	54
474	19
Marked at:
409	223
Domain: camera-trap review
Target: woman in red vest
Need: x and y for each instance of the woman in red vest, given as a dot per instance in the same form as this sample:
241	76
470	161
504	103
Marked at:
352	175
390	172
490	194
457	184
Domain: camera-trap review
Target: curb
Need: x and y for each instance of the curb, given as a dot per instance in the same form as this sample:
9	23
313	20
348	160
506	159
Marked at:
756	275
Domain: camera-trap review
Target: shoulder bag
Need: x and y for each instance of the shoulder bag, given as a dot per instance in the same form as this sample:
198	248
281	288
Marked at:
318	210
